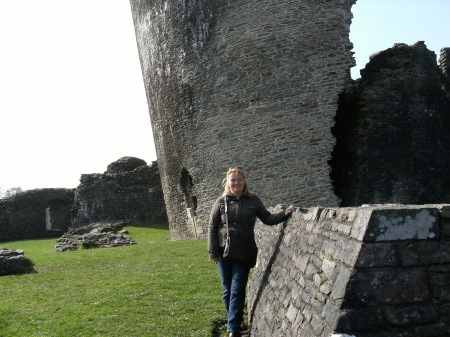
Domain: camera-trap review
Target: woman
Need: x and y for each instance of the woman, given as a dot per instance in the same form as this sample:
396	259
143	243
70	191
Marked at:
242	209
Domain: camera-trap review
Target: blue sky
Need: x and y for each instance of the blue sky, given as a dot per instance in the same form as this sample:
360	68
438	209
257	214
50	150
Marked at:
378	24
72	95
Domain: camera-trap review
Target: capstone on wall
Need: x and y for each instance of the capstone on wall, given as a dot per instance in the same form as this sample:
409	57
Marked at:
129	190
252	83
35	214
367	272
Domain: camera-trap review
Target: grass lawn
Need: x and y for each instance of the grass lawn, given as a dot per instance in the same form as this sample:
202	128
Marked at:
154	288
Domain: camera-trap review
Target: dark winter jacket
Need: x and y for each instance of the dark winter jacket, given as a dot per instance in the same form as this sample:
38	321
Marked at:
242	213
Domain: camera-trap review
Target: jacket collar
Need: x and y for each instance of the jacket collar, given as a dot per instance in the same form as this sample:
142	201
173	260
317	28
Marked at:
232	196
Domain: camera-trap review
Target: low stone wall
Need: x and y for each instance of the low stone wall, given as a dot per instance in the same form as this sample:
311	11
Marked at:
367	271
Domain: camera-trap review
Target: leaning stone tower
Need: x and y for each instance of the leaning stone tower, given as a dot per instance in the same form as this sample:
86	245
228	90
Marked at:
251	83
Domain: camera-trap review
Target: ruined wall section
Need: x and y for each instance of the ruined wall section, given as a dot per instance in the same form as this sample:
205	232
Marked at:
35	214
393	144
251	83
368	272
129	190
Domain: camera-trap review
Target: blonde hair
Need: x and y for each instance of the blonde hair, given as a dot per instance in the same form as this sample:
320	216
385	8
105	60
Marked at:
241	174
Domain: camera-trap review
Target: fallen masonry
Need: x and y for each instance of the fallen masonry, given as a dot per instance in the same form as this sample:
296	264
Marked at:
99	234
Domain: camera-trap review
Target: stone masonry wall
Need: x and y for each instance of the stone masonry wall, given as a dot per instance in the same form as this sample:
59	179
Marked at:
129	190
393	144
35	214
372	271
252	83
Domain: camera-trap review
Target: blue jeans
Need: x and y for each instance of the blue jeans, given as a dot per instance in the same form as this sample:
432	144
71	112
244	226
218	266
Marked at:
234	279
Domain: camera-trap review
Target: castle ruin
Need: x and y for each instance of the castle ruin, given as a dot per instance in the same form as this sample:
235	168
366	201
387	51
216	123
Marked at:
35	214
266	85
128	191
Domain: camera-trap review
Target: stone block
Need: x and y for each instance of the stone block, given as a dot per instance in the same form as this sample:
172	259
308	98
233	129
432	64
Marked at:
328	214
444	312
302	282
315	213
304	331
317	280
328	267
439	277
352	215
424	252
445	212
340	285
12	261
307	314
311	269
329	249
361	222
402	224
441	293
291	314
361	319
298	321
420	314
330	313
344	229
387	286
377	255
348	252
295	292
303	263
445	223
325	288
433	330
317	325
335	226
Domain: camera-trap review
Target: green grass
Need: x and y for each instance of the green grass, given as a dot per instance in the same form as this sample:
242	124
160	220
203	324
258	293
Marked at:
154	288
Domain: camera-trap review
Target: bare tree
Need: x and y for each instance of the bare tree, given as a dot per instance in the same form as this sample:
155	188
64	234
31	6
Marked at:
13	190
9	192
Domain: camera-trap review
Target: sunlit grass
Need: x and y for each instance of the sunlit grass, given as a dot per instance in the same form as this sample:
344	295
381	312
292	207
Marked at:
154	288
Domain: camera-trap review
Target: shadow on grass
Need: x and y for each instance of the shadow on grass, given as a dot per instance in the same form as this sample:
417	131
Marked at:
220	329
26	268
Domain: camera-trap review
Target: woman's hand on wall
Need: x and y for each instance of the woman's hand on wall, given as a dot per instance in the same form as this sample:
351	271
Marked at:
289	210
